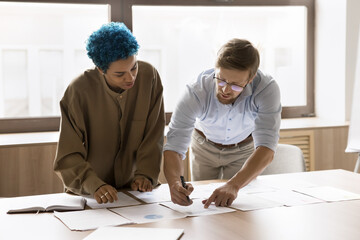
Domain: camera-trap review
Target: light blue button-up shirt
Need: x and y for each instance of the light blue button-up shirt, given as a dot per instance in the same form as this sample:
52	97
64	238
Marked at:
256	111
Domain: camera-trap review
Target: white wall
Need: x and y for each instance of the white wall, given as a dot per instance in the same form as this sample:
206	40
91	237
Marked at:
336	37
352	41
330	45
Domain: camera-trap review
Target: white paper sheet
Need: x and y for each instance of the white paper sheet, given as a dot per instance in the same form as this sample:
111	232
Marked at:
90	219
204	191
159	194
288	198
329	194
257	186
197	208
148	213
279	183
123	200
135	233
248	202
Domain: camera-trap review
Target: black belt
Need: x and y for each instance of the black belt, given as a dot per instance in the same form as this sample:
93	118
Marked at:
246	140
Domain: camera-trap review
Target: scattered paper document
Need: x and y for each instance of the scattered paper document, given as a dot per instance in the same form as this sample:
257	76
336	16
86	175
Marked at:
147	213
135	233
46	202
288	198
197	208
248	202
204	191
279	183
159	194
256	187
329	194
90	219
123	200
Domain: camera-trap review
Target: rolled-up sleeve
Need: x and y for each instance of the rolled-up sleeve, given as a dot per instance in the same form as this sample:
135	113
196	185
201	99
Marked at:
267	122
183	120
70	164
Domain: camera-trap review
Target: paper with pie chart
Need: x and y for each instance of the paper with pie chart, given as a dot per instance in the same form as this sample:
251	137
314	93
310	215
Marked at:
148	213
197	208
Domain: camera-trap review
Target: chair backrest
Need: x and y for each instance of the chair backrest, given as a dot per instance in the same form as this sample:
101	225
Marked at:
287	159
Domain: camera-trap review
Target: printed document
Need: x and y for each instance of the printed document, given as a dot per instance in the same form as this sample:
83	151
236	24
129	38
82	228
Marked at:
90	219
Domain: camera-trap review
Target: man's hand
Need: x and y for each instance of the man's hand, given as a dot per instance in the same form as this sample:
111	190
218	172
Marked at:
106	193
222	196
179	194
141	184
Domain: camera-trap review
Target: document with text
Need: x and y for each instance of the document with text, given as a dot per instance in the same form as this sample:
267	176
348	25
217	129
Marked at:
148	213
288	197
90	219
123	200
159	194
249	202
197	208
329	194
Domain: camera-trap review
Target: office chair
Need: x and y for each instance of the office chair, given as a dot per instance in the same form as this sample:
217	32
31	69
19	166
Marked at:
287	159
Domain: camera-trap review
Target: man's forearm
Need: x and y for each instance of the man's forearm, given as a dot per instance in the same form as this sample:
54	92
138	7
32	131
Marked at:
173	166
253	167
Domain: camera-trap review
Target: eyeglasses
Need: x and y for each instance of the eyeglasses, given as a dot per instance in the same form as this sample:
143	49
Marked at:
223	83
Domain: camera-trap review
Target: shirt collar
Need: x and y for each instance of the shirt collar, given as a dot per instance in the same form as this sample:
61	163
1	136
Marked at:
107	88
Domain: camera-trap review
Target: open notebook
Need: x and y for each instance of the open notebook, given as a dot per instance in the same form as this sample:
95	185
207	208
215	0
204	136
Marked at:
46	203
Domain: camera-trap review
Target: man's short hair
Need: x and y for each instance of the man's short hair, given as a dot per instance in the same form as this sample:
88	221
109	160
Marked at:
113	41
238	54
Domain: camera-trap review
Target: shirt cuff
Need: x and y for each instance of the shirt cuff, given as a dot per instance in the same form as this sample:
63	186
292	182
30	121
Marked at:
92	183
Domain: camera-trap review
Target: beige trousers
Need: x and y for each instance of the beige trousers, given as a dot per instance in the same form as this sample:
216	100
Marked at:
211	162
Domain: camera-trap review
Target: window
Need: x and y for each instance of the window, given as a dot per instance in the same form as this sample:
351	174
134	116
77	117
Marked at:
186	43
36	67
42	51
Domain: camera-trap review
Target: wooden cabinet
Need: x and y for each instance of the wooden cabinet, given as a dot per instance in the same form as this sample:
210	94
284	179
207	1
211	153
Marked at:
27	168
323	147
304	139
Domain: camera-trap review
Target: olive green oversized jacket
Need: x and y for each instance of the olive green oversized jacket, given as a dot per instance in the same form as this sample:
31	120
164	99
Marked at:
107	137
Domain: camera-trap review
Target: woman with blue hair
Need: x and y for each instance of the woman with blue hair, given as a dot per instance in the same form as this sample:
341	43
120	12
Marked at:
112	120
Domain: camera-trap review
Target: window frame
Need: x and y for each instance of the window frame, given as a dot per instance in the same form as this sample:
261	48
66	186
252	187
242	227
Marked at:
120	10
43	124
287	112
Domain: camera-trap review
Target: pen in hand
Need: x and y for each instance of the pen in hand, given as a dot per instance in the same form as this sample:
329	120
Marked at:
184	186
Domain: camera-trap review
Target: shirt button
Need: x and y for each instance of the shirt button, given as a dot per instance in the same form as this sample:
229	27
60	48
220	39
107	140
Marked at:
230	119
229	129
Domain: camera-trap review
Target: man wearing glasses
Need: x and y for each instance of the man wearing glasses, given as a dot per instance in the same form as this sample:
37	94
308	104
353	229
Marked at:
231	115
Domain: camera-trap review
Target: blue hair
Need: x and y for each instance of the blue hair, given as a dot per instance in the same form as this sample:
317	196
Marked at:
113	41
